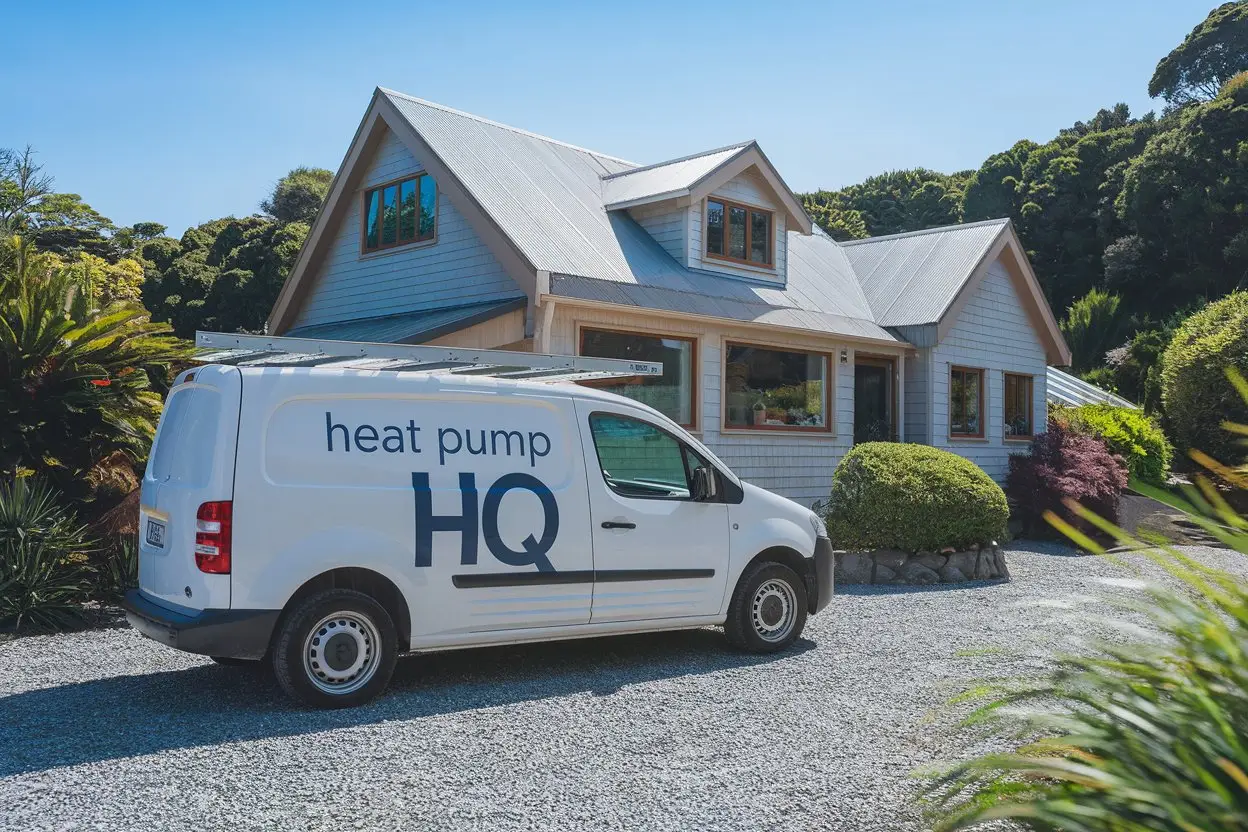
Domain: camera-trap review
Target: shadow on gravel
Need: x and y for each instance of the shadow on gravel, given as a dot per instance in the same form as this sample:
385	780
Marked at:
911	589
128	716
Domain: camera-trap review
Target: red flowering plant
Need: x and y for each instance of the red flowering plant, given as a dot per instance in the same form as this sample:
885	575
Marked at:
1064	465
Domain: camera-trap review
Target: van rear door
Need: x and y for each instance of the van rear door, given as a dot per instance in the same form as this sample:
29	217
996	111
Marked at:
188	488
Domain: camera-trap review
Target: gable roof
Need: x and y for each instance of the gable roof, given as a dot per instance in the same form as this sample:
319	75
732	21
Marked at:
549	211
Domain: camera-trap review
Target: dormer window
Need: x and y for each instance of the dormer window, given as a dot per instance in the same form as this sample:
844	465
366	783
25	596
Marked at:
399	213
738	233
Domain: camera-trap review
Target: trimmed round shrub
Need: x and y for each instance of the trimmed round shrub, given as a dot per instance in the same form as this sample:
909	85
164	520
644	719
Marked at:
1197	394
1064	465
886	495
1126	432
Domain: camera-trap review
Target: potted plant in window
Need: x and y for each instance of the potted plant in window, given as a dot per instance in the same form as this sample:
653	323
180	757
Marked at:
760	413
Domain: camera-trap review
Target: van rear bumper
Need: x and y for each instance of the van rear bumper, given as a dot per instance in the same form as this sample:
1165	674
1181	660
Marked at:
820	578
235	634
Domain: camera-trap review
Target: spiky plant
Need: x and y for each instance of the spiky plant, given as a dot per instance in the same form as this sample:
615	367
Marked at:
1142	736
74	383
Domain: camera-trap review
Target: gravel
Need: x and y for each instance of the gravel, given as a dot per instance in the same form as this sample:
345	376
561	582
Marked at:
106	730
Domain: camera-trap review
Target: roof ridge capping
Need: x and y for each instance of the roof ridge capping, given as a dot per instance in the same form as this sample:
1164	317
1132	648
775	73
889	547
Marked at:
698	155
435	105
957	226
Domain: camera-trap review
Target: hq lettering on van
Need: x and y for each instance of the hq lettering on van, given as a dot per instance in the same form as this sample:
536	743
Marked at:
326	520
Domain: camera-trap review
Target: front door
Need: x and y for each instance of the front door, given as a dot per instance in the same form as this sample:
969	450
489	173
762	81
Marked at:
658	553
873	400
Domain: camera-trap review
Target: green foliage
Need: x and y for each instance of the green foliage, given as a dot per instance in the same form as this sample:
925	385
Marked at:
1092	325
1136	734
74	378
298	195
912	497
1126	432
893	202
44	577
1197	396
1209	56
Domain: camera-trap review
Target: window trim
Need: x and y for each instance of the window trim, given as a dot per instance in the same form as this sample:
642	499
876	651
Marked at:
828	383
428	239
685	451
983	404
770	265
694	391
1031	406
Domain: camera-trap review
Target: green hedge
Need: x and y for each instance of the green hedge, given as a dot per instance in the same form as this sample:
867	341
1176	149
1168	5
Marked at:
1126	432
1197	395
913	498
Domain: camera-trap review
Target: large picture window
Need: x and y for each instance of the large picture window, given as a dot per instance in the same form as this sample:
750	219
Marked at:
738	232
399	213
770	389
1019	406
672	393
966	402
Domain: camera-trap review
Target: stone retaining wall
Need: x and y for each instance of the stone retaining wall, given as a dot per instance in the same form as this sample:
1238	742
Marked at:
889	566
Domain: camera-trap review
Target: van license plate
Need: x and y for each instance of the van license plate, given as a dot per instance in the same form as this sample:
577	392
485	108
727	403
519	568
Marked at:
155	533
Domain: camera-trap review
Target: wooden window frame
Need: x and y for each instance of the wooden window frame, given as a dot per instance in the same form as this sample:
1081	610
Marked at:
1031	406
728	204
826	427
692	426
983	404
399	242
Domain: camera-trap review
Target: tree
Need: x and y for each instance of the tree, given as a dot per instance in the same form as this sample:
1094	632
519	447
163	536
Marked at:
1208	57
1091	326
22	185
890	203
298	195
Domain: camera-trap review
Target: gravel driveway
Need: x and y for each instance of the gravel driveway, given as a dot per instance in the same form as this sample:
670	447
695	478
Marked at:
106	730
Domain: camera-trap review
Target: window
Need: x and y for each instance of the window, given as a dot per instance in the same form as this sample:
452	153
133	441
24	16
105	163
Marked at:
640	460
966	402
399	213
770	389
672	393
1018	406
738	232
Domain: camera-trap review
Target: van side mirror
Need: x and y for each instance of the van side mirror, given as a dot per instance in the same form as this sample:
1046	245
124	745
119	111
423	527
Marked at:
704	484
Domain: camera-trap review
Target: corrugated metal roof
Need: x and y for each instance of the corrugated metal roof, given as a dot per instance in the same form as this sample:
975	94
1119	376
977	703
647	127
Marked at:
665	177
910	279
411	327
1066	389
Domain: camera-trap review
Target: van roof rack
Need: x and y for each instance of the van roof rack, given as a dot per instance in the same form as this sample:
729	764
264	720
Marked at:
269	351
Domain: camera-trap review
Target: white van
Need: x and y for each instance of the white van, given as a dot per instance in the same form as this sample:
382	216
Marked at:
328	520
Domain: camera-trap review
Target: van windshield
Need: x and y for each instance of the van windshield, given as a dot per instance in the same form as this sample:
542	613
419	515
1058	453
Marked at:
188	431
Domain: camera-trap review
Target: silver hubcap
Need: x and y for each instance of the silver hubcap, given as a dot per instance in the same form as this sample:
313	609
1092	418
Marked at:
340	652
774	610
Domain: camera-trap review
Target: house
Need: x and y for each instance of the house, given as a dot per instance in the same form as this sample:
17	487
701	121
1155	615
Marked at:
781	347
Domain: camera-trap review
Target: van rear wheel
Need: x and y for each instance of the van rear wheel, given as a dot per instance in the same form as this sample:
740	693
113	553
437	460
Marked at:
768	609
336	649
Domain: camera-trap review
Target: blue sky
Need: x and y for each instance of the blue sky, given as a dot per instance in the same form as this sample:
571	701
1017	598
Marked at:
185	112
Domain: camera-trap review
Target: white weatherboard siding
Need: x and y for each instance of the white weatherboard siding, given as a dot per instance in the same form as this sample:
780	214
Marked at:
795	464
993	333
456	270
748	188
666	224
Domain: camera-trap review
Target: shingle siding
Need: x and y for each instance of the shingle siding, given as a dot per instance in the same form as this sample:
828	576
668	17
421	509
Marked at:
915	418
667	225
750	189
992	332
457	269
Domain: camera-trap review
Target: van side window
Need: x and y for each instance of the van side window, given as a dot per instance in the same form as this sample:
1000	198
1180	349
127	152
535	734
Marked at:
639	459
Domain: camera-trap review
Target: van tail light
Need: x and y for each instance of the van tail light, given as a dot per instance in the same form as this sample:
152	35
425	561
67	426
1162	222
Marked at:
212	537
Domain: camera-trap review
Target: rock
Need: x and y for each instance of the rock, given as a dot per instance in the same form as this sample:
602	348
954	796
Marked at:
916	573
985	567
930	560
964	562
947	550
883	574
891	558
853	568
1003	571
952	575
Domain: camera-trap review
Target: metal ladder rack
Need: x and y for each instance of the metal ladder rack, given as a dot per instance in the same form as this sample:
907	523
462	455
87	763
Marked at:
269	351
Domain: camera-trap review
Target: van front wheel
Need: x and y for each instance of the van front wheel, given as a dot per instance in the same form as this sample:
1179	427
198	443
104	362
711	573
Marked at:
336	649
768	609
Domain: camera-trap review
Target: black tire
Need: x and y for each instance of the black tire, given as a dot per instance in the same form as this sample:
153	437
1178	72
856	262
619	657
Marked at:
343	630
782	608
230	661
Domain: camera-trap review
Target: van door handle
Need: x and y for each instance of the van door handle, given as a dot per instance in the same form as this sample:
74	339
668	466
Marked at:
618	524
